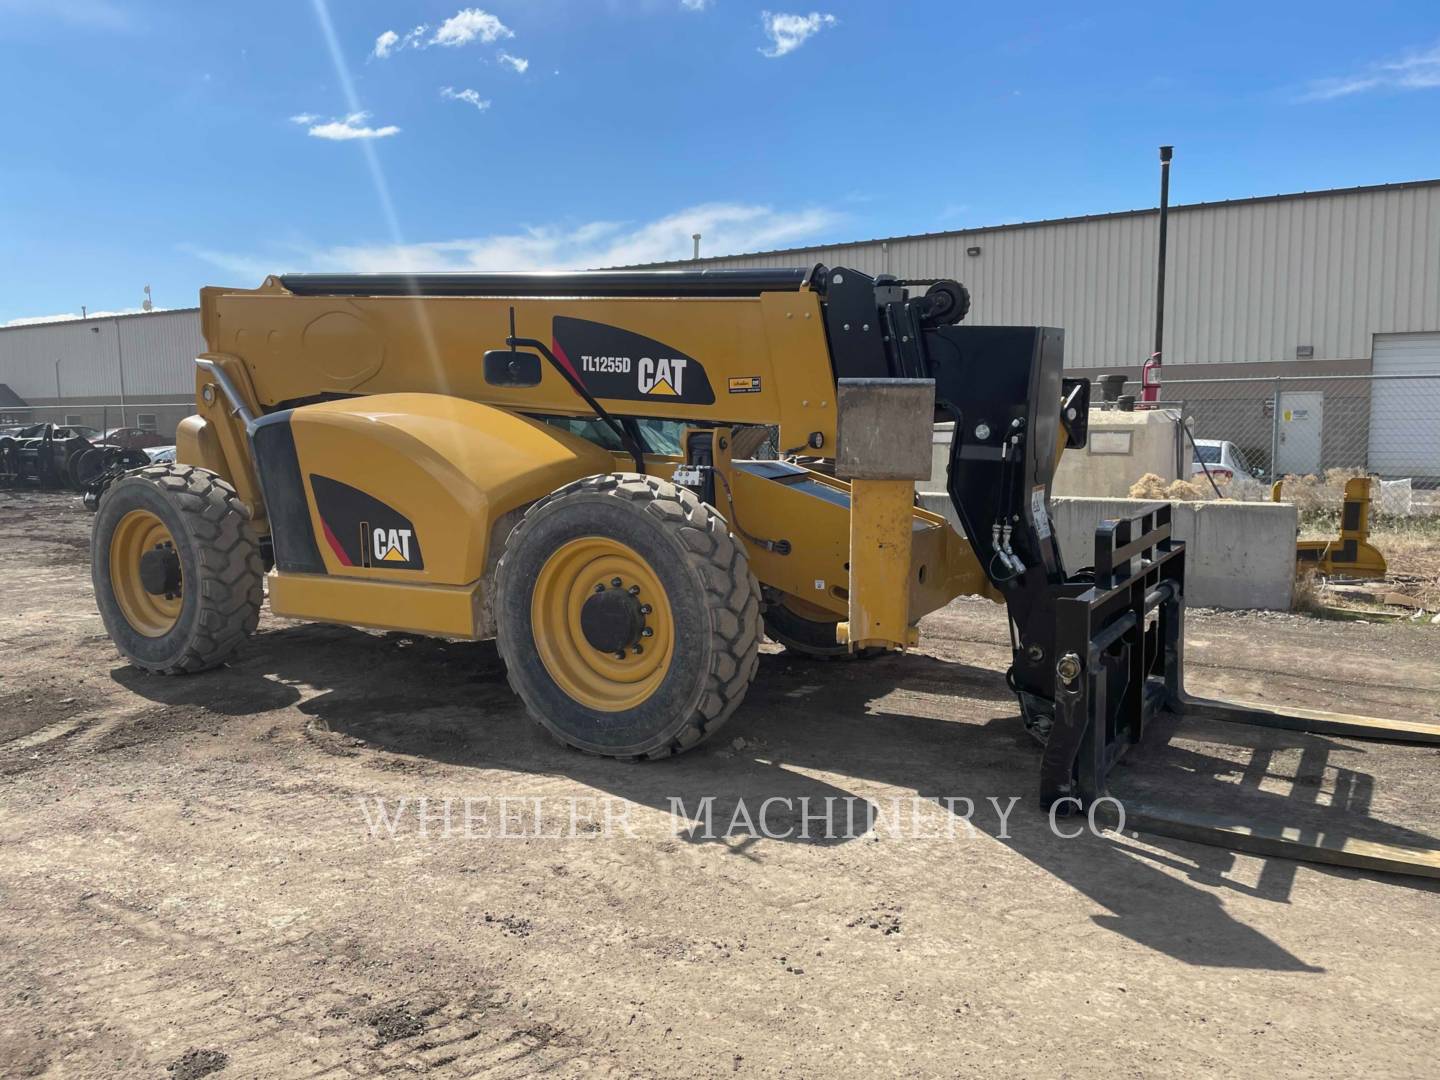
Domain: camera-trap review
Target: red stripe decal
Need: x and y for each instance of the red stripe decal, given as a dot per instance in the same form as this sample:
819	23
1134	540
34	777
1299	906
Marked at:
559	352
335	545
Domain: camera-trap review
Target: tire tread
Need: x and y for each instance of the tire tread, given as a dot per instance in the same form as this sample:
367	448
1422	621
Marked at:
719	563
231	588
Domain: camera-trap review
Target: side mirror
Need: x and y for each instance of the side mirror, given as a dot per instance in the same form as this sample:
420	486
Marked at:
504	367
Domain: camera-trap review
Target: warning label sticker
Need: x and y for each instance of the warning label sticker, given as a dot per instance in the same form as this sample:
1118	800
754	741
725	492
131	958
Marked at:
1038	513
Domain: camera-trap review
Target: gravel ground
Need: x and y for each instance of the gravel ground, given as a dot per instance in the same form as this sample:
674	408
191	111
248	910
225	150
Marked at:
196	879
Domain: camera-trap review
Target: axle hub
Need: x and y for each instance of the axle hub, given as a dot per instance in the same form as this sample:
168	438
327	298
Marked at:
612	620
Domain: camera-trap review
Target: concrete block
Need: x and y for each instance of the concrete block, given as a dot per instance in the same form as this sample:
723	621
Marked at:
1122	447
940	439
884	428
1238	555
938	502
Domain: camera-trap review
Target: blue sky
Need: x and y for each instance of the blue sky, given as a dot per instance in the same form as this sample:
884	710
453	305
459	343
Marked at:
182	144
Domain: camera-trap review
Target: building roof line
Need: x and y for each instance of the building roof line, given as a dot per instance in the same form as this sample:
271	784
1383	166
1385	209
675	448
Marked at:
65	319
1109	215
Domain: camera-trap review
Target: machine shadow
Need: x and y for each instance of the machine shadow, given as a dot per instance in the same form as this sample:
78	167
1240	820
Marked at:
888	721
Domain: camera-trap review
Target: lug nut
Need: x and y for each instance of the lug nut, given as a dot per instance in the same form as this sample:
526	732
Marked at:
645	609
599	588
616	582
634	590
647	632
639	648
620	654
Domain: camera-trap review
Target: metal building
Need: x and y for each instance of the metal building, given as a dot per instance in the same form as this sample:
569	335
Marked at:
1311	276
1326	283
1328	301
114	371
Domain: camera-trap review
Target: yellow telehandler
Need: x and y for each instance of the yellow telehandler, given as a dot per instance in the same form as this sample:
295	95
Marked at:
548	460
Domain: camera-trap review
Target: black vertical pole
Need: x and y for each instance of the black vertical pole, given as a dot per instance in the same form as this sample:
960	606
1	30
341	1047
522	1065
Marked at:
1165	154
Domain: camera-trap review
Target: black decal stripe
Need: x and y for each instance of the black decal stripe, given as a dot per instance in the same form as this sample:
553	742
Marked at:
278	466
352	517
626	366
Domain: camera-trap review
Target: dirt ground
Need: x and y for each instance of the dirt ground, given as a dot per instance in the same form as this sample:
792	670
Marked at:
190	887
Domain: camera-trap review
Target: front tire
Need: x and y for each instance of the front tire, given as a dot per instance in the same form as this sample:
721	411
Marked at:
627	616
176	568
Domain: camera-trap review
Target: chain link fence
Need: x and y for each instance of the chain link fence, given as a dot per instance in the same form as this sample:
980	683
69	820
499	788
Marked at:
91	419
1381	425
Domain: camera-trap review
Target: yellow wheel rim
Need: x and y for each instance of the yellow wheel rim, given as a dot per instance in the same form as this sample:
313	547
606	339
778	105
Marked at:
150	614
593	677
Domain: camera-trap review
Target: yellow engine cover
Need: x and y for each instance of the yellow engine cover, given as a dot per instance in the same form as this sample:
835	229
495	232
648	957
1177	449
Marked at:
411	490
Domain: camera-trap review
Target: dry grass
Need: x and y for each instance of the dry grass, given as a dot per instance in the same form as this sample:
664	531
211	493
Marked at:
1308	493
1312	493
1153	486
1309	596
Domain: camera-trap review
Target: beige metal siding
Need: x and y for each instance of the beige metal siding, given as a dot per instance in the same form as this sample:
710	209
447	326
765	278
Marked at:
158	351
1247	282
1401	410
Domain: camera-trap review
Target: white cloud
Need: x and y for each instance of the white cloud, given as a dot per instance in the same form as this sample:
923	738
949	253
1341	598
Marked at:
516	63
727	227
788	32
470	97
349	127
467	24
385	44
1413	71
695	5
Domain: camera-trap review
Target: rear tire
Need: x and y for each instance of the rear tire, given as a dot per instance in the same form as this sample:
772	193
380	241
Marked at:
575	644
196	533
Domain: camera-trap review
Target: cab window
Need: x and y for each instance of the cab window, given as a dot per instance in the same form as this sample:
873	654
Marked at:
660	436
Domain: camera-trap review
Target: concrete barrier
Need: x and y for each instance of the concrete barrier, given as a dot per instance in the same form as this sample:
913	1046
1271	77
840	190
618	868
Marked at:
1237	556
1121	448
938	502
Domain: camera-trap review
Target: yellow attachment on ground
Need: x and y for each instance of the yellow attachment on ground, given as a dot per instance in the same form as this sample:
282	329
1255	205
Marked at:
607	681
137	533
1351	554
882	515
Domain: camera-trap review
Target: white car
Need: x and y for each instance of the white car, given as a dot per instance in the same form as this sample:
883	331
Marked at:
1223	459
160	454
